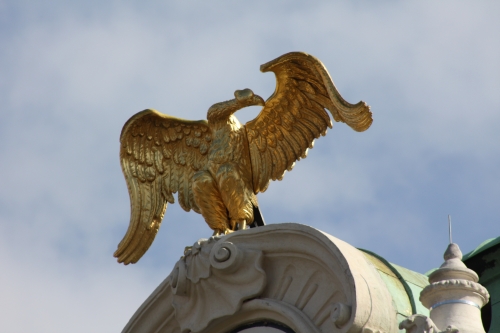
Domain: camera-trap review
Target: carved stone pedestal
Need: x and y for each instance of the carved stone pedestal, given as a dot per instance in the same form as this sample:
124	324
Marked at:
276	278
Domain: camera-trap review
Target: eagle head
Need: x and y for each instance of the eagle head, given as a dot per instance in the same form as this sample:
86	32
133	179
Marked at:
246	97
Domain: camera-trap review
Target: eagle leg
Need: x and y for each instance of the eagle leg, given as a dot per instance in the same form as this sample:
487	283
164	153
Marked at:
208	199
235	195
239	225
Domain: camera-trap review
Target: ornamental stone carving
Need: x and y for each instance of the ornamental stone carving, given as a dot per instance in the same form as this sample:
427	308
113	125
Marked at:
422	324
212	280
287	274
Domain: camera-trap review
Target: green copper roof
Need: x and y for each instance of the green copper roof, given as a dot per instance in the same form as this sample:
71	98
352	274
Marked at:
485	261
403	284
482	247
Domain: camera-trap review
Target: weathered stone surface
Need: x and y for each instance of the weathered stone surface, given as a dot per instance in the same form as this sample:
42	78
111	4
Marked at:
289	274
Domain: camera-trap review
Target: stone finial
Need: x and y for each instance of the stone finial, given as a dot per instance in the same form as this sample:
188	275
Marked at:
452	252
454	297
453	267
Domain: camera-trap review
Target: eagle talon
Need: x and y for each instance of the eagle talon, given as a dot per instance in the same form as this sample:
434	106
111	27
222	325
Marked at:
240	225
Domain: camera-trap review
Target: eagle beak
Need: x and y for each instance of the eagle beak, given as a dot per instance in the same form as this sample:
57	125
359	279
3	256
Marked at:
258	100
247	97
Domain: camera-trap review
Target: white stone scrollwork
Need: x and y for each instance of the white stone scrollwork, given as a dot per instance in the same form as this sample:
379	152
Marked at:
289	274
214	273
422	324
226	257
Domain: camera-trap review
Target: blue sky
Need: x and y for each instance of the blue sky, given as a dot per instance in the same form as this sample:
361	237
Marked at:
71	74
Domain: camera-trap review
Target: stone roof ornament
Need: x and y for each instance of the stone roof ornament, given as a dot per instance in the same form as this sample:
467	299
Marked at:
213	269
307	282
453	297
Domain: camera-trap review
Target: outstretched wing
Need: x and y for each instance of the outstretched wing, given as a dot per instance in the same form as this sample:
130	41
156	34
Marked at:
159	155
295	115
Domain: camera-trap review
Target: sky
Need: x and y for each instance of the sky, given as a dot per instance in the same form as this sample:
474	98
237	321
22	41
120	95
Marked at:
72	73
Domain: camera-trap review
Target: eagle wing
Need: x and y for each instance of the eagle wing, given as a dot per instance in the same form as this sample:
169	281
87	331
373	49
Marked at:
159	155
295	115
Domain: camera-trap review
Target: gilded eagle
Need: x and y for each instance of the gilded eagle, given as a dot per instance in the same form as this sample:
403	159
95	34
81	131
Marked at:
217	166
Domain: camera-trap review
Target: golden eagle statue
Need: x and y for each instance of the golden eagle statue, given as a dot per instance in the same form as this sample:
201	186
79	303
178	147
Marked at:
218	166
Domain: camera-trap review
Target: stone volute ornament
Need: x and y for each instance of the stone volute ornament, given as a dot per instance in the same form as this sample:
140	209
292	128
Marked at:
454	298
217	166
214	270
307	282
